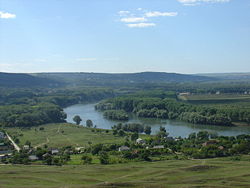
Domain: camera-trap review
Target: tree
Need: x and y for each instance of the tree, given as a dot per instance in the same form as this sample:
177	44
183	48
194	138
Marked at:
121	133
162	133
86	159
134	136
89	123
147	130
104	158
77	119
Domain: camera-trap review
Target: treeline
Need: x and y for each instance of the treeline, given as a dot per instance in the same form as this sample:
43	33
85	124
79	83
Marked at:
131	127
29	115
116	115
61	97
172	109
27	107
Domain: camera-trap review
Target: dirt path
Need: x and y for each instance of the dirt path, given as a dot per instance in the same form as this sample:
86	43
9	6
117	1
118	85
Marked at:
13	143
40	145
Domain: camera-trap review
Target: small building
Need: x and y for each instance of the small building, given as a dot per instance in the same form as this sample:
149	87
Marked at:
54	151
217	93
184	93
221	148
2	135
158	147
26	147
140	141
210	142
3	148
33	158
46	155
80	149
123	148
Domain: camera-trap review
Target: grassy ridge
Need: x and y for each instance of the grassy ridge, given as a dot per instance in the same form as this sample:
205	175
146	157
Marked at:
221	172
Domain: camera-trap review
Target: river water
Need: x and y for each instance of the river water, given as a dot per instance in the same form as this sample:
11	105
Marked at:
174	128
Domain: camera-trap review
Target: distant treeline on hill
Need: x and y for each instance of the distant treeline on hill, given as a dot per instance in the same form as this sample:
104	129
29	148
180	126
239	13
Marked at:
26	80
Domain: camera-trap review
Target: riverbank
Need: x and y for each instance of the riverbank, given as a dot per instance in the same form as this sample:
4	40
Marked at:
173	127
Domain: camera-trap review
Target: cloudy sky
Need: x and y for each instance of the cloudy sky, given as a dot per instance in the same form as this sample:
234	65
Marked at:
184	36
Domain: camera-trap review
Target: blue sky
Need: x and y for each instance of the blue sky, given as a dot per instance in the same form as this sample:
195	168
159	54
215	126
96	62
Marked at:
184	36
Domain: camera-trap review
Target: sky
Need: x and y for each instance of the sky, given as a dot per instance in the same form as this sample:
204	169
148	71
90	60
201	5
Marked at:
118	36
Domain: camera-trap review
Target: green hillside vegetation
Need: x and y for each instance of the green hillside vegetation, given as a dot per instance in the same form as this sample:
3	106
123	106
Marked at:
10	80
222	172
171	108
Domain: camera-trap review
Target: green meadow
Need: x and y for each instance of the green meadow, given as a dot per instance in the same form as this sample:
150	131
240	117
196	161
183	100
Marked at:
219	172
64	134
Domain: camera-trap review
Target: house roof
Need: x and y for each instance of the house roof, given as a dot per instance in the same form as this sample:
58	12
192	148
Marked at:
124	148
158	147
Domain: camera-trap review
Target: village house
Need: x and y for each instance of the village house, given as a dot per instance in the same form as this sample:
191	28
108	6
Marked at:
2	135
158	147
210	142
140	141
33	158
26	147
184	93
123	148
54	151
80	149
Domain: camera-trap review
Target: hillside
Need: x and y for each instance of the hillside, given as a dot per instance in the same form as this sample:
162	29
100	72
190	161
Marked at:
25	80
143	77
228	76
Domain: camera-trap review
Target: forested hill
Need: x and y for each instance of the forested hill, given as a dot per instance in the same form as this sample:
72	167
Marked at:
144	77
25	80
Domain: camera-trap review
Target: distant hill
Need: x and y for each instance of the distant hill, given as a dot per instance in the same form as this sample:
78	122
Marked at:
25	80
228	76
108	78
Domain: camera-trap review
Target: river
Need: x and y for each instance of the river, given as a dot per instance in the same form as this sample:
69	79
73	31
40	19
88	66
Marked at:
174	128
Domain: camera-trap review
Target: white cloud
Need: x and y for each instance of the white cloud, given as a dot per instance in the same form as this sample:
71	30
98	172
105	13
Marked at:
141	18
141	25
157	14
123	12
6	15
195	2
133	19
87	59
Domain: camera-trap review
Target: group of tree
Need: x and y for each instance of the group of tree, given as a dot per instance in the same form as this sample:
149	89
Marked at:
169	108
132	127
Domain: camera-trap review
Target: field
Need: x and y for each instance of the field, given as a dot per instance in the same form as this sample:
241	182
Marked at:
220	172
58	135
229	101
215	99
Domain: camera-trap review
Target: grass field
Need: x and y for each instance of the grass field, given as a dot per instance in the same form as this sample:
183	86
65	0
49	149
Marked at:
220	172
230	100
58	135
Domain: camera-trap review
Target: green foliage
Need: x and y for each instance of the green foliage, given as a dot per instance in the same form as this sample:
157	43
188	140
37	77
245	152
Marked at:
116	115
77	119
89	123
169	108
147	130
86	159
134	136
104	158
